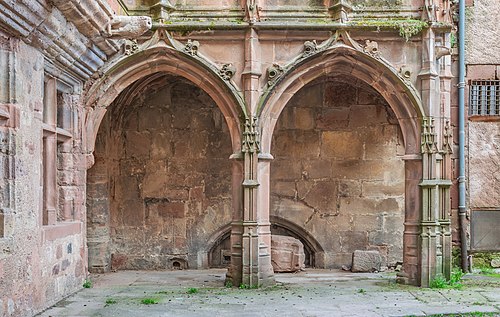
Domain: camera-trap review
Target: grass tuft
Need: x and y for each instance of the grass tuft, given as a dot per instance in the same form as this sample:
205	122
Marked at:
192	290
149	301
87	283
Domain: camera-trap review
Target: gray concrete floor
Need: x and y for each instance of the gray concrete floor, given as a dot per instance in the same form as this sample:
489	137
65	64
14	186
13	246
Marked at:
309	293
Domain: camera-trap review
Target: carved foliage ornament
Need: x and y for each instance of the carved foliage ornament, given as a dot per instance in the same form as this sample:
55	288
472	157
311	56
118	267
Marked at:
312	48
227	71
130	47
274	72
192	47
371	48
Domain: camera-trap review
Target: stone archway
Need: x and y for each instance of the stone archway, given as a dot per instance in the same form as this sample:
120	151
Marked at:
124	82
344	60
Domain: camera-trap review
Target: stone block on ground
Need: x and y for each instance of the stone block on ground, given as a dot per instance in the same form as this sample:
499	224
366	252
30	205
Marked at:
366	261
287	254
495	263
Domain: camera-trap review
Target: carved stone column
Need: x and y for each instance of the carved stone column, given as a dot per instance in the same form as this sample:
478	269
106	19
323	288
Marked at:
256	268
435	236
234	274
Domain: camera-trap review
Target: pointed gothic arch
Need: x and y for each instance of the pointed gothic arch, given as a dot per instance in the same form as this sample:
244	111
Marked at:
345	60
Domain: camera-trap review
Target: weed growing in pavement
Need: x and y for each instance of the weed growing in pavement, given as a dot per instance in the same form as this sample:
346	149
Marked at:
455	280
110	301
192	290
87	283
149	301
246	286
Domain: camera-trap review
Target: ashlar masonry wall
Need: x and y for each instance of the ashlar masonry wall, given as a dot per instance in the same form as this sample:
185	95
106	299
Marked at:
337	170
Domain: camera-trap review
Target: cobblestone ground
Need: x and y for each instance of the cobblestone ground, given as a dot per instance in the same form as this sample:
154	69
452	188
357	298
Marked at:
310	293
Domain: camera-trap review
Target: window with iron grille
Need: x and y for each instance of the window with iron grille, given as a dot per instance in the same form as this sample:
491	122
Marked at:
484	98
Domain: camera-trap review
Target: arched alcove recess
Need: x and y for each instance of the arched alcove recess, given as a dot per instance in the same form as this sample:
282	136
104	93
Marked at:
218	245
160	59
342	60
313	248
218	248
120	85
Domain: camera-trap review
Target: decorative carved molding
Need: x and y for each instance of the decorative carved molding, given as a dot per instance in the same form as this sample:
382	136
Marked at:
251	137
227	71
429	142
273	73
191	47
129	27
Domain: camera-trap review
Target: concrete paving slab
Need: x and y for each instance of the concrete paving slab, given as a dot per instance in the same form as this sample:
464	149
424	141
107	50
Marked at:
310	293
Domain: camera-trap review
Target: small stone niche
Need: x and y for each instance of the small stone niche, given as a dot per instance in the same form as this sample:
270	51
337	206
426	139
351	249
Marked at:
177	264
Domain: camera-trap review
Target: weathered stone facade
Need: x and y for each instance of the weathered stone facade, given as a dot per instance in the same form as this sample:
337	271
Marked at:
188	137
483	130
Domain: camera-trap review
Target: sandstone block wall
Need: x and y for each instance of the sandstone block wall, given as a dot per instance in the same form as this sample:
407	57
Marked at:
38	264
160	187
337	172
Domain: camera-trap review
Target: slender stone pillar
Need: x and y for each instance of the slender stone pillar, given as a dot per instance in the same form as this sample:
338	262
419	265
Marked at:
256	268
413	176
234	274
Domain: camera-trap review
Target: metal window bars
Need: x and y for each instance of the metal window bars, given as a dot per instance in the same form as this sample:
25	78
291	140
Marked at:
484	98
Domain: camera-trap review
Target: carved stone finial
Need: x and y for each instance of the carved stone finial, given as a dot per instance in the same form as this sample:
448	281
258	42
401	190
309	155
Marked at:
128	27
192	47
371	48
227	71
250	142
252	11
130	47
339	10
